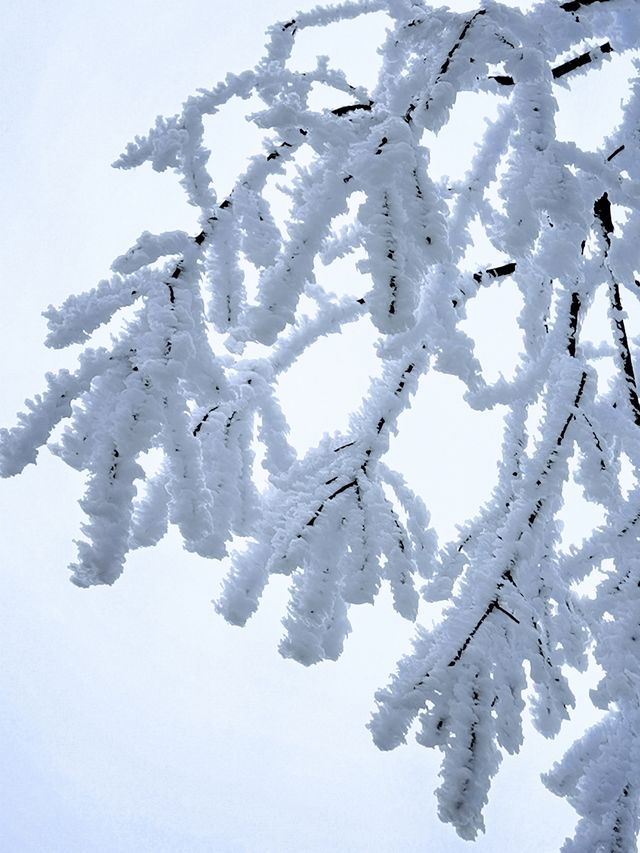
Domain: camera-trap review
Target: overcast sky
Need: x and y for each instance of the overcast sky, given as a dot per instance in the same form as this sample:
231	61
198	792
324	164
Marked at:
132	719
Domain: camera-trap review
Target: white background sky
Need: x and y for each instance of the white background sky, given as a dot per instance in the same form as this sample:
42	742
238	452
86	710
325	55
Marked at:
132	718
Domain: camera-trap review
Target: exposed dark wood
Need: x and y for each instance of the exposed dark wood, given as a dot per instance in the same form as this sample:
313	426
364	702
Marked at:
579	61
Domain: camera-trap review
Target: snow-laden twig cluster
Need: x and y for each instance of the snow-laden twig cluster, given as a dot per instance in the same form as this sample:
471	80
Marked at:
194	374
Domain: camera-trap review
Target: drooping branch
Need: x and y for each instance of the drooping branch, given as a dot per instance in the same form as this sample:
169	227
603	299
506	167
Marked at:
335	519
624	351
602	211
447	61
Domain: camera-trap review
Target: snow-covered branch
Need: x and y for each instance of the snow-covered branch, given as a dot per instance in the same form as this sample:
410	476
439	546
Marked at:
214	320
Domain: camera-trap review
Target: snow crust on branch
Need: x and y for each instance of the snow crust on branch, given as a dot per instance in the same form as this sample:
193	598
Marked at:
194	374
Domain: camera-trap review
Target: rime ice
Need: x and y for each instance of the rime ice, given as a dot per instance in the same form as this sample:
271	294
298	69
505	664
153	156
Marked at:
183	378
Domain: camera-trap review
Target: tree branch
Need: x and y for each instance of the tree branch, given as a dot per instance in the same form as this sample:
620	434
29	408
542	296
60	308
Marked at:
602	212
579	61
574	5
